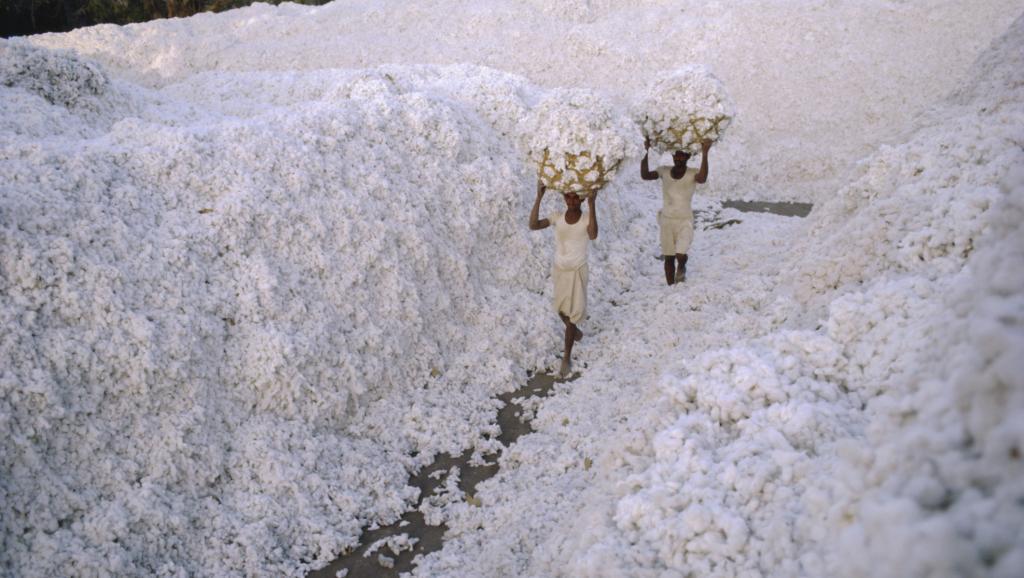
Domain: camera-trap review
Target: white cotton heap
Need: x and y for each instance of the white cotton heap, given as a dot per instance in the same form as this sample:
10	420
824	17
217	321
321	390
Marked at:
923	260
54	94
684	107
577	139
876	431
738	449
240	304
801	72
59	77
236	317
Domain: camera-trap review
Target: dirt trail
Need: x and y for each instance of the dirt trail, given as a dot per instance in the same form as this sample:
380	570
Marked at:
430	538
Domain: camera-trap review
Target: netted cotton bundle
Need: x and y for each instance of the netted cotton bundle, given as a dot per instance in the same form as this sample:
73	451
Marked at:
684	108
577	139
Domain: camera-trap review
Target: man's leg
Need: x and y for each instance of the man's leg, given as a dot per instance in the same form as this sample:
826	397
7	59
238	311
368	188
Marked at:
572	335
667	239
681	271
577	334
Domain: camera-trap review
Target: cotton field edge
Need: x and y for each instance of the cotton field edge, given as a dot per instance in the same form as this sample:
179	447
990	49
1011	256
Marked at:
258	266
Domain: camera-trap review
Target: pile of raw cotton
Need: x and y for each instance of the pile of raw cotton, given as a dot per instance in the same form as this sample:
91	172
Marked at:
683	108
923	260
577	139
58	77
877	431
52	92
232	321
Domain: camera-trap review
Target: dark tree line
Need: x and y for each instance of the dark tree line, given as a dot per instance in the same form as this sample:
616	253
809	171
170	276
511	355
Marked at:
20	17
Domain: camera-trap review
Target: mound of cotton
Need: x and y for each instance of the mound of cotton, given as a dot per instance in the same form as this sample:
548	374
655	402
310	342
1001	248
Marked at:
921	267
230	321
683	108
59	77
885	441
577	139
932	323
54	93
801	72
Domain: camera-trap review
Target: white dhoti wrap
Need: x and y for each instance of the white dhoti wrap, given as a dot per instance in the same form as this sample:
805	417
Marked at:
570	292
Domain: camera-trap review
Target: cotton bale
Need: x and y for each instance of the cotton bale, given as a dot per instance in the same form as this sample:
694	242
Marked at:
577	139
683	108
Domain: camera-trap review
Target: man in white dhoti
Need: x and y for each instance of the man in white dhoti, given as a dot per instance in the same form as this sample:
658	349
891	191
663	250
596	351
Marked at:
573	234
675	219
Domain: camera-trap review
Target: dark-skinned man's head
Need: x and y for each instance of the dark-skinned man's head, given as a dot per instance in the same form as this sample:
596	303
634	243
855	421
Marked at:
572	200
680	158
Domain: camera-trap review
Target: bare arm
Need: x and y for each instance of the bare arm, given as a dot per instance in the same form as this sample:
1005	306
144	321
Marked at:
645	172
535	223
702	174
592	225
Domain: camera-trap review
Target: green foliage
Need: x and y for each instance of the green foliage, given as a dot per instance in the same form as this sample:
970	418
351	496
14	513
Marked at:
118	11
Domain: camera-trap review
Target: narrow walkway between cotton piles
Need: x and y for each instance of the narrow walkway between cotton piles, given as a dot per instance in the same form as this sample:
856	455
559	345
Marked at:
580	435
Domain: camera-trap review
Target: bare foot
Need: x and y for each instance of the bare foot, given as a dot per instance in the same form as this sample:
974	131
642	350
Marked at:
680	275
578	336
565	369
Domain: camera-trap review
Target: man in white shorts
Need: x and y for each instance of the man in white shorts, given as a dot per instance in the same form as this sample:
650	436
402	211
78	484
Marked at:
675	218
573	233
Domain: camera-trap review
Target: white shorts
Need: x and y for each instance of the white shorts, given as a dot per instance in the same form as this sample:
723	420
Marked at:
676	235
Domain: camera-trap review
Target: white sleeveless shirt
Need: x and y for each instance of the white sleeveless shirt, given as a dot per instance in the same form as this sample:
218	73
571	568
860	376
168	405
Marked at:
571	241
677	194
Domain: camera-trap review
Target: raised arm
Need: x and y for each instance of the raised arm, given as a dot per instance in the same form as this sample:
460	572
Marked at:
592	225
535	223
645	172
702	174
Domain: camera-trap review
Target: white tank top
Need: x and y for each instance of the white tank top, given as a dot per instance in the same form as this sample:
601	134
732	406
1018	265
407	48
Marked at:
570	241
677	194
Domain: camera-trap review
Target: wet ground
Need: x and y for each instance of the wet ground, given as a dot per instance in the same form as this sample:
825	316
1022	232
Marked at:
359	564
786	209
428	480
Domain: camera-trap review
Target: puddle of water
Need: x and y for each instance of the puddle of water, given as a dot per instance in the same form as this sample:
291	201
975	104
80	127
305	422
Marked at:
512	424
710	219
786	209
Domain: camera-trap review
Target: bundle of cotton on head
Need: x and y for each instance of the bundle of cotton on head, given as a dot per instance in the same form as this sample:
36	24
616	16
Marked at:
684	108
577	140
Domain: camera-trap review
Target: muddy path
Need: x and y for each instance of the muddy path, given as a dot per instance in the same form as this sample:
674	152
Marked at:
361	564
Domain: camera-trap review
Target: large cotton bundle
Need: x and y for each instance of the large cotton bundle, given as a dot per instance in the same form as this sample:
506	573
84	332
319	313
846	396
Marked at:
577	139
682	109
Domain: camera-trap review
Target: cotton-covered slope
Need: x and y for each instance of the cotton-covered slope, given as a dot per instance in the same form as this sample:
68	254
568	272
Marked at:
55	95
817	83
920	263
231	320
932	322
146	410
873	429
